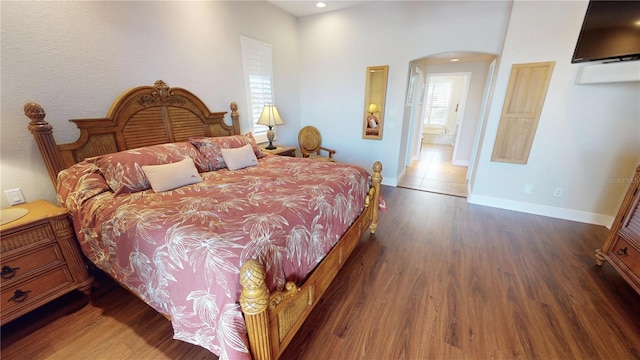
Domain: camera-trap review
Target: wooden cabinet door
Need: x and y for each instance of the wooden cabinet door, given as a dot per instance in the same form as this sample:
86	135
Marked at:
631	225
622	246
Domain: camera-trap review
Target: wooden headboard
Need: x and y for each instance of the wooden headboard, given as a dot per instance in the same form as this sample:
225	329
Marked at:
142	116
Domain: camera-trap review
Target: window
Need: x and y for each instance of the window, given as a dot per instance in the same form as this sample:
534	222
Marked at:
438	98
258	75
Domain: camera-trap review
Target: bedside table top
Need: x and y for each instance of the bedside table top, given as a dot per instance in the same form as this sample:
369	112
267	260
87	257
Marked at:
38	210
278	150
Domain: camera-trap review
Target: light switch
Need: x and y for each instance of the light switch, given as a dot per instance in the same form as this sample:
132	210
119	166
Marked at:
15	196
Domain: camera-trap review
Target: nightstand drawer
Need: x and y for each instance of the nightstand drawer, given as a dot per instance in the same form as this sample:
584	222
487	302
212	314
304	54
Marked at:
32	235
24	294
15	268
40	260
627	254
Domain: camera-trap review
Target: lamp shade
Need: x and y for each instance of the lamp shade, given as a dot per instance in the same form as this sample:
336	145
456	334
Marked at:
373	108
270	116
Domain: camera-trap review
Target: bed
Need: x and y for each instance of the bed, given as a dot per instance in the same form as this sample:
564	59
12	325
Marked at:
233	246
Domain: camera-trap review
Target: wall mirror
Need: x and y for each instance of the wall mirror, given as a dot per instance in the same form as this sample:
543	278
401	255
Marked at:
374	101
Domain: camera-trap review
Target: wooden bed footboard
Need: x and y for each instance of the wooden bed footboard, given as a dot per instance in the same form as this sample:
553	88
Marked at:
273	319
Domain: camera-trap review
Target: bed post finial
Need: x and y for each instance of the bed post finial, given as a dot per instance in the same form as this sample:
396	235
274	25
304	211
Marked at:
35	112
254	299
43	134
255	295
235	117
376	180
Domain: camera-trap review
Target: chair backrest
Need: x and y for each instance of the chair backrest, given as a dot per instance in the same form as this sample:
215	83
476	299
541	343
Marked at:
309	140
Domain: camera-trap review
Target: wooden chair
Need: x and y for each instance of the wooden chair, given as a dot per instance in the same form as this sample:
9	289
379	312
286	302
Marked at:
310	141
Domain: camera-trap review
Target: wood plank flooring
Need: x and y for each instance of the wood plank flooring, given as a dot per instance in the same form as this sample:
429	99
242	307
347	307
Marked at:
441	279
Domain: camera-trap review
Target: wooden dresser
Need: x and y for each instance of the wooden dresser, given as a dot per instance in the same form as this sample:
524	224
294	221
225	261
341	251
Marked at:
622	246
40	260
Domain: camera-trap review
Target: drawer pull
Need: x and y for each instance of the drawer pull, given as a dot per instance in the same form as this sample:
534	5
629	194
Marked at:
20	296
622	251
8	272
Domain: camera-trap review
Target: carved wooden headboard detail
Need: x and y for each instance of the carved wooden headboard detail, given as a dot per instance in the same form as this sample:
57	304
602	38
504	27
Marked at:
142	116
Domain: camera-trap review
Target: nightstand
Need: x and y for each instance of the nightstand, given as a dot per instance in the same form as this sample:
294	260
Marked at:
279	150
40	259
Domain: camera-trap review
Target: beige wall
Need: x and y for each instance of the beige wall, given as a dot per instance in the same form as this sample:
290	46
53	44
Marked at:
588	135
75	58
336	48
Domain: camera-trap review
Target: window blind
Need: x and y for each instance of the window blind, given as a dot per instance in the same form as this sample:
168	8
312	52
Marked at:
438	98
258	74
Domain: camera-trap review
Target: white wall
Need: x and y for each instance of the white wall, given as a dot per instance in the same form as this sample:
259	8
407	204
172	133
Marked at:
588	138
335	49
75	58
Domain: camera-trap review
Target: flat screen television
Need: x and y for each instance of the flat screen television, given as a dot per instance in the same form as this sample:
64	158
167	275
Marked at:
611	30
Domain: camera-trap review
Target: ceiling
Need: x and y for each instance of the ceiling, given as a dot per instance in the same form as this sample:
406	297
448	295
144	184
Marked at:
308	7
301	8
462	57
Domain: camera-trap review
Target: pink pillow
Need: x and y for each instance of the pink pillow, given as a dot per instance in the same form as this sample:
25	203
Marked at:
123	170
239	158
172	176
211	147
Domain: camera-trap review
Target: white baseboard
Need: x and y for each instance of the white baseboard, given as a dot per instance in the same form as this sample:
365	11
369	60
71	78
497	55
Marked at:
460	162
544	210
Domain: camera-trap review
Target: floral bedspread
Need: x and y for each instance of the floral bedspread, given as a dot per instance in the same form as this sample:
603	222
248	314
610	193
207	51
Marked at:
181	250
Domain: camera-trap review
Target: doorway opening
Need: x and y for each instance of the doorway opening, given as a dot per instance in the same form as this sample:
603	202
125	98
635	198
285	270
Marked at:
444	120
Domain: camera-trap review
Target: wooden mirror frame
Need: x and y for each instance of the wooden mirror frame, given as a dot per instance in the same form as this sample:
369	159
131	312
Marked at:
374	96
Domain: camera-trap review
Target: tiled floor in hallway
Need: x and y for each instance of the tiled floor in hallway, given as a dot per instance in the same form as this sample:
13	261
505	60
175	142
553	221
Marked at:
434	172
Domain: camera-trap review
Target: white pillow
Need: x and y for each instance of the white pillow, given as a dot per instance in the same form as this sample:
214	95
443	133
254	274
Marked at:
239	158
171	176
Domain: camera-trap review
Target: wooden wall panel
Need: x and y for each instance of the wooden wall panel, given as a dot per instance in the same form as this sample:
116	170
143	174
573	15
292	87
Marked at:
523	104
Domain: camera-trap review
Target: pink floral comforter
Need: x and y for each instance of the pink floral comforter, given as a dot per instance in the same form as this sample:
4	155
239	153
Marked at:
181	250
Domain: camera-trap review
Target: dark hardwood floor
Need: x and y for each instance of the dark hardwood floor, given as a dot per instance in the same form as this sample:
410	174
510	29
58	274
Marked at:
441	279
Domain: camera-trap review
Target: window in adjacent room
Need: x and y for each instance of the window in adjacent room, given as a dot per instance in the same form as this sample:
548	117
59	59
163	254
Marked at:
258	75
438	99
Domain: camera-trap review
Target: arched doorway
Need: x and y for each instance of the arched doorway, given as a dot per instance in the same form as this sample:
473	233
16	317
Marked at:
445	99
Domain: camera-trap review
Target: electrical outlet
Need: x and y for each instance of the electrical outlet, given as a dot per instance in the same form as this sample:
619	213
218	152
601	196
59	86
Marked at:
558	192
15	196
528	189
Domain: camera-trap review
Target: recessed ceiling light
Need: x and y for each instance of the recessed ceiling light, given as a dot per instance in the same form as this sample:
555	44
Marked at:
455	59
320	4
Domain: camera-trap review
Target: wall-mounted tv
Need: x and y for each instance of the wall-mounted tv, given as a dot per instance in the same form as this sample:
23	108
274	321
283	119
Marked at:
611	30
